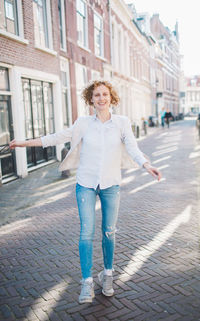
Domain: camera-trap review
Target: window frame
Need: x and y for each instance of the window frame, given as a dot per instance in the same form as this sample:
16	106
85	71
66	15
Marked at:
102	35
64	67
48	46
19	16
62	24
81	110
85	40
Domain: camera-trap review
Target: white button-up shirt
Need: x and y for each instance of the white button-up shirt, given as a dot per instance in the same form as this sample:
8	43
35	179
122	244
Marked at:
101	152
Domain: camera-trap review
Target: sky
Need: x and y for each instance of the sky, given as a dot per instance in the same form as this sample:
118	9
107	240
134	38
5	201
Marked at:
187	13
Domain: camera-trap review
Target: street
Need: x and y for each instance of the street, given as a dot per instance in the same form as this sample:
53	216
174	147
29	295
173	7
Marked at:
157	270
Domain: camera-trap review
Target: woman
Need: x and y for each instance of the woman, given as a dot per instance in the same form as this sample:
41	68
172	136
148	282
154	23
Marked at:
99	144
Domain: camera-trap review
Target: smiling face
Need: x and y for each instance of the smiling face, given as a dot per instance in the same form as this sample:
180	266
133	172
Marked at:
101	98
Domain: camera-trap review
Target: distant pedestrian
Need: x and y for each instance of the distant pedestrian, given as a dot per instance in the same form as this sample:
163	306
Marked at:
162	115
168	117
100	144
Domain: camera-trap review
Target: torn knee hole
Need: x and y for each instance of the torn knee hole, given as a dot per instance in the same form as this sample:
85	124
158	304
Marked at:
110	233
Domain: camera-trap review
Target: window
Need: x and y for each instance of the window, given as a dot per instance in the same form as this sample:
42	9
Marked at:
4	83
9	16
61	11
39	117
66	99
40	23
81	81
95	75
113	45
81	22
126	57
98	35
119	50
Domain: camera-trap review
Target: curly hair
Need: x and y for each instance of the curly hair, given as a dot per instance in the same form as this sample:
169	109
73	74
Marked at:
88	92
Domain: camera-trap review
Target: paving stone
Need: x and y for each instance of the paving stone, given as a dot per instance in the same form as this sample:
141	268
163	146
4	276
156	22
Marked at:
157	274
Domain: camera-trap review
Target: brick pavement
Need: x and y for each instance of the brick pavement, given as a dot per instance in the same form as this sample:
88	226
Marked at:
157	271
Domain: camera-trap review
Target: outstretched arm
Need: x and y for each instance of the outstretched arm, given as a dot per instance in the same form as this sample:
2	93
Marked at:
25	143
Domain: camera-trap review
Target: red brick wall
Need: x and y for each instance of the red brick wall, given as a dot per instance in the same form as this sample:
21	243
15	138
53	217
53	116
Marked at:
19	54
15	53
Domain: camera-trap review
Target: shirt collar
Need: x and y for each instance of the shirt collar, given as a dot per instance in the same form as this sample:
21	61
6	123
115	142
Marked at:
111	118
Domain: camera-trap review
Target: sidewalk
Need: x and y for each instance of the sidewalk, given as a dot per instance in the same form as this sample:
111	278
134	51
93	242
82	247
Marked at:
157	271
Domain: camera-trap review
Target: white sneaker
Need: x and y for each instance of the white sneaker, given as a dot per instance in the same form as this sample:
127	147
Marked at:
107	281
87	291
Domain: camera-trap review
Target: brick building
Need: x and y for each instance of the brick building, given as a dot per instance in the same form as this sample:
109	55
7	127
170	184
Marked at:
167	65
130	63
192	95
49	51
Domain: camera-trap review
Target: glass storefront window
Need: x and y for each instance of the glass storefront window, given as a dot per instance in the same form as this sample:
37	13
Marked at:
4	123
39	117
48	107
4	83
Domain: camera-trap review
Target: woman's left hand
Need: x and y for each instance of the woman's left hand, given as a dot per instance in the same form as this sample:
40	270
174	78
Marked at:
153	171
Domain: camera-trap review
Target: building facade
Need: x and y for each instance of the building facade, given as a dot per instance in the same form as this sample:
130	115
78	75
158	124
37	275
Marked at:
191	101
130	63
168	65
51	49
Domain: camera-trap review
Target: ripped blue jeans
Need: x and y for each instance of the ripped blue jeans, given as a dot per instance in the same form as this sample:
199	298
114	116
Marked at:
86	200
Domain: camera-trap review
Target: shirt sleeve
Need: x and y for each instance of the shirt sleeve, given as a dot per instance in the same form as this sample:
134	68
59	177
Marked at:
64	136
131	145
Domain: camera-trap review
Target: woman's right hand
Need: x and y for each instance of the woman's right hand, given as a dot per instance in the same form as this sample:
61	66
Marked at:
14	143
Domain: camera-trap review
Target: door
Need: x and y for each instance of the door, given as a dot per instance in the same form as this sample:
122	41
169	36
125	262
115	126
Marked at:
7	157
39	120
